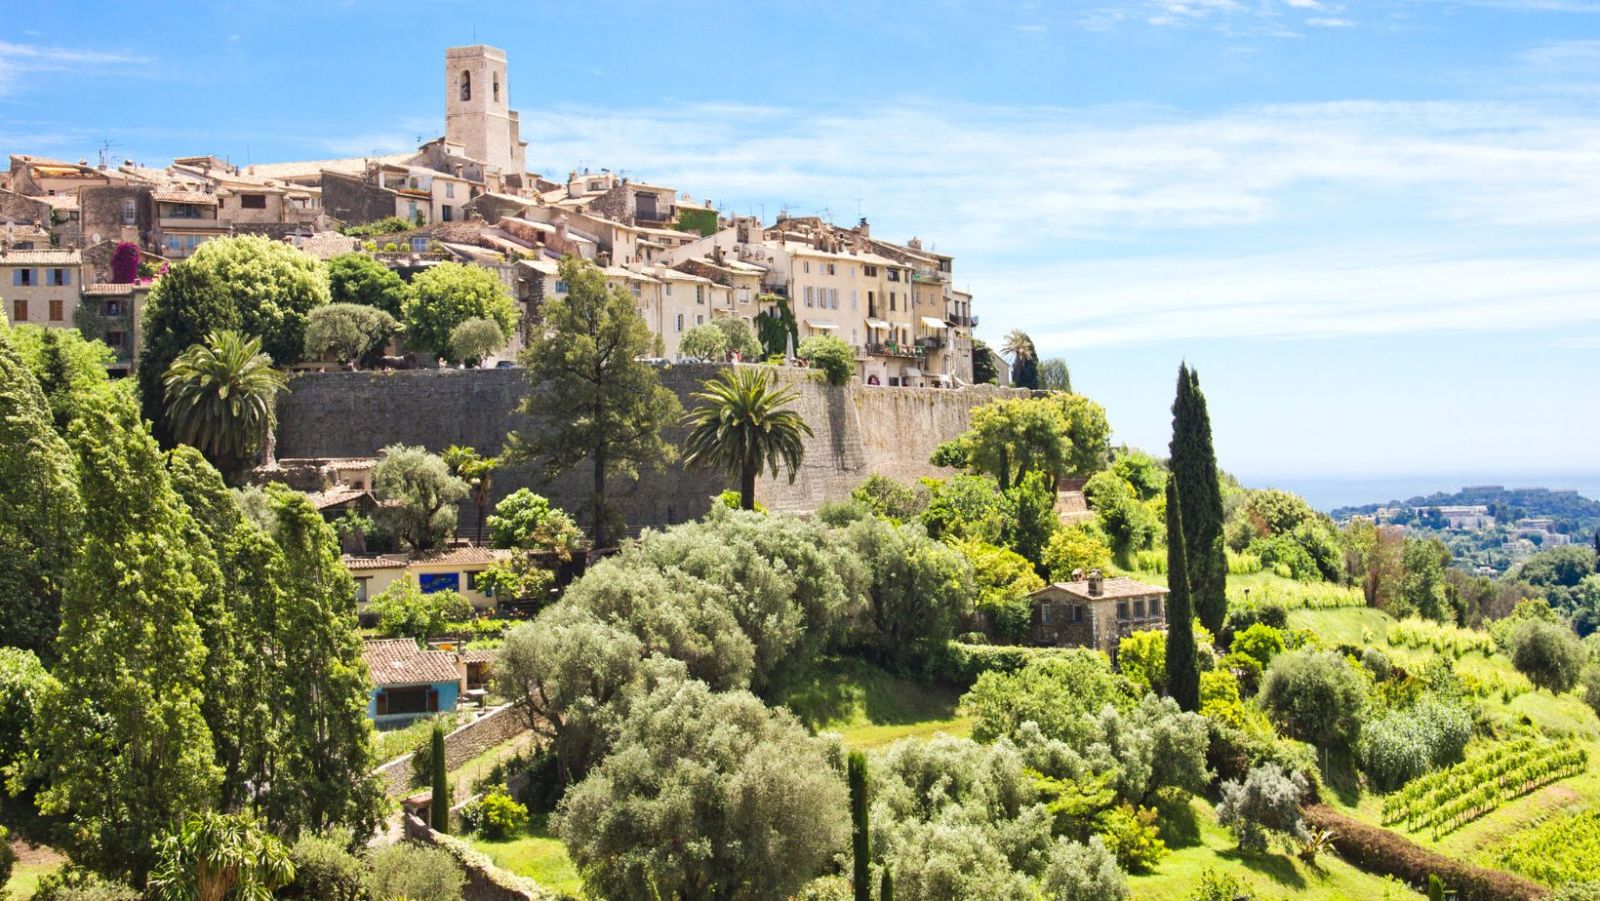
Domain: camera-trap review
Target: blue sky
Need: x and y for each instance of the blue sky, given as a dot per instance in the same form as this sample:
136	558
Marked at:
1373	227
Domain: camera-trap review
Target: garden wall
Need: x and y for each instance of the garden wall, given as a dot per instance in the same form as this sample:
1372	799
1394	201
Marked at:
460	746
859	430
485	881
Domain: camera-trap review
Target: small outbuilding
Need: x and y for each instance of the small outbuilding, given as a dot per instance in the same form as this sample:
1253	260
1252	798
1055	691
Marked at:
1095	612
410	682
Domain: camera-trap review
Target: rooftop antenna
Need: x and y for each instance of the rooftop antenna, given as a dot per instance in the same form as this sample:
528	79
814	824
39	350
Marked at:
105	153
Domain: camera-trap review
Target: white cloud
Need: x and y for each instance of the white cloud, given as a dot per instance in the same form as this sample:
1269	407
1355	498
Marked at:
17	59
1329	22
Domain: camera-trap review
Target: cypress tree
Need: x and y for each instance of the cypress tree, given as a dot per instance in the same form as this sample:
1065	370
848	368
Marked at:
439	808
886	889
1183	672
1194	466
856	769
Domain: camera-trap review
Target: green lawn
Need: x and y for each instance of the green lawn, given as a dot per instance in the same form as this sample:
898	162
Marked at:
870	708
538	856
1271	875
25	879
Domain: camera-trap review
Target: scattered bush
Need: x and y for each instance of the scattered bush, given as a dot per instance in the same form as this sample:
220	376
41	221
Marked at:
1549	655
1215	885
1079	546
474	340
1267	802
325	870
496	816
1316	696
72	883
704	342
1132	835
1083	872
891	499
834	358
1403	744
1260	641
416	873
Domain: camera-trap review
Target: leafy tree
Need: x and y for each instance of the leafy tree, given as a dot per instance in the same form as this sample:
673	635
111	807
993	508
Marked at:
1088	434
740	337
1142	659
917	589
1033	499
125	750
767	809
356	278
777	329
983	371
526	520
704	342
1024	359
420	494
25	686
1258	640
351	333
322	763
834	358
1128	522
272	285
1054	375
125	263
968	506
439	807
475	339
860	827
222	399
1010	438
744	425
891	499
67	366
1194	466
593	398
216	856
449	294
1563	566
1084	872
466	464
403	611
1589	678
186	305
325	870
41	514
1549	655
1405	743
1058	693
1266	801
563	670
1316	696
1423	588
1003	579
416	873
1142	472
1078	546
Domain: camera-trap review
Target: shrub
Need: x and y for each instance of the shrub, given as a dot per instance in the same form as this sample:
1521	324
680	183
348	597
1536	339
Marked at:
704	342
1316	696
8	859
1403	744
1549	655
1218	886
960	664
891	499
1142	657
75	884
403	611
416	873
1260	641
1078	546
325	870
496	816
1266	802
475	339
1377	663
1132	835
833	357
1083	872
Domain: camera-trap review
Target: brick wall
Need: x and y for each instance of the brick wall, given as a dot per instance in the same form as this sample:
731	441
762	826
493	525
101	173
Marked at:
460	746
859	430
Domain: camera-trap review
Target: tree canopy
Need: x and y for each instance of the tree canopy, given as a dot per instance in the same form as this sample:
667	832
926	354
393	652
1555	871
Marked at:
449	294
423	494
357	278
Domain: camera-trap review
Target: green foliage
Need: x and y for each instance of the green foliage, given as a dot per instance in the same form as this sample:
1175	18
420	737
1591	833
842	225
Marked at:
186	305
1056	693
743	424
1266	802
1087	433
526	520
439	781
474	340
967	506
1216	885
25	685
214	856
1081	545
1423	589
1446	800
1181	660
272	285
594	399
496	816
891	499
348	332
983	369
403	611
1132	835
1054	375
1549	655
420	495
1403	744
1084	872
1562	850
416	873
860	827
1142	658
740	337
386	226
705	793
1194	467
1003	579
917	590
40	510
776	330
1010	438
700	221
1033	498
1285	556
1316	696
356	278
1260	641
125	750
834	358
73	883
67	365
325	870
704	342
1129	523
222	398
445	296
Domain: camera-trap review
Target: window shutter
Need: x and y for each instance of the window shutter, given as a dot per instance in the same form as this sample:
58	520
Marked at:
433	700
383	703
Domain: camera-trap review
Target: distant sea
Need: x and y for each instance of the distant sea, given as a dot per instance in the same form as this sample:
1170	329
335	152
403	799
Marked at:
1331	492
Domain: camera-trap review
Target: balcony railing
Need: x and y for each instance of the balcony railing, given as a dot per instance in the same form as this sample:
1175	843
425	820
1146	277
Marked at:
892	349
967	321
930	342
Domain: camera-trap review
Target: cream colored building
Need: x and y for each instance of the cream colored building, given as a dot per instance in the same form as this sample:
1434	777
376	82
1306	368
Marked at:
455	569
478	114
40	287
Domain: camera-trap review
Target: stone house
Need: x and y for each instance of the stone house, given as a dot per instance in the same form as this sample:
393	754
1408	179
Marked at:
41	286
1095	612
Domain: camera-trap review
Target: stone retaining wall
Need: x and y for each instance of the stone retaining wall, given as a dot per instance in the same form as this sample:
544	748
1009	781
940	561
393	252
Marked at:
460	746
485	881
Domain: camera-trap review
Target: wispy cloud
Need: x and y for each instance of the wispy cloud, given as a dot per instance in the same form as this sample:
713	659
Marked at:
17	59
1329	22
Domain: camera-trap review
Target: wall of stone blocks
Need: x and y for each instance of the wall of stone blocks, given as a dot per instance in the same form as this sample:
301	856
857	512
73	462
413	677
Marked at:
460	746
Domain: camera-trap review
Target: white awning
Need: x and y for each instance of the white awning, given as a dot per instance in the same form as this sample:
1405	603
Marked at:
911	371
825	326
931	322
877	324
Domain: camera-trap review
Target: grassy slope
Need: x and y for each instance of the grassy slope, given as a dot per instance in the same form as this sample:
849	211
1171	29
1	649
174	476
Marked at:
870	708
539	856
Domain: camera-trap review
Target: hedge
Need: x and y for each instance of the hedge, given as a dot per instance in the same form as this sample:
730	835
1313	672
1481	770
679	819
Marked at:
960	664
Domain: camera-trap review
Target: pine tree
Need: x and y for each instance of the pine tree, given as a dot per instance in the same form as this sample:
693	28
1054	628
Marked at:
321	772
1183	671
126	750
40	512
1194	466
861	840
439	807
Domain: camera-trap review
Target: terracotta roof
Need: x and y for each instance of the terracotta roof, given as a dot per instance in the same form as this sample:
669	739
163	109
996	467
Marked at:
1111	589
398	661
40	258
354	165
196	197
479	655
111	289
459	556
381	561
333	497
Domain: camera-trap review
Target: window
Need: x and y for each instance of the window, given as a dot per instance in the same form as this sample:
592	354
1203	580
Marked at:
408	700
852	298
669	289
894	275
700	319
22	278
116	339
634	287
130	212
744	294
419	245
253	201
1138	609
55	311
561	287
833	298
891	301
446	213
450	189
1077	613
1155	606
810	301
871	271
699	293
680	322
830	269
472	579
466	85
113	308
806	266
1046	614
57	277
496	94
361	588
1122	610
852	271
19	311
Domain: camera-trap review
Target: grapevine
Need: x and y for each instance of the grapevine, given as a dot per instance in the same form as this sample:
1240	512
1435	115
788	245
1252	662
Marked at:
1445	800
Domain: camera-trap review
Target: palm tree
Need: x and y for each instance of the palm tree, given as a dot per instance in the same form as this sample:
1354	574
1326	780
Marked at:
742	427
221	398
1019	347
213	856
477	471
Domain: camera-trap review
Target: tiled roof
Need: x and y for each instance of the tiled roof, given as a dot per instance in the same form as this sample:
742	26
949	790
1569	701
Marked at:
40	258
398	661
1113	589
333	497
479	655
381	561
458	556
354	165
109	289
195	197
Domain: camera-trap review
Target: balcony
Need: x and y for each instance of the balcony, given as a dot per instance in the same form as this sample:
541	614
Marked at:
961	321
931	342
892	349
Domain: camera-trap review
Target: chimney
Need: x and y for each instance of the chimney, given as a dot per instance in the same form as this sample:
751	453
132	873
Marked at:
716	254
1096	583
866	230
1077	574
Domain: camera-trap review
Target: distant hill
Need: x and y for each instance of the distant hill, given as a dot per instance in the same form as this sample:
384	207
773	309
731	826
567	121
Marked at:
1571	511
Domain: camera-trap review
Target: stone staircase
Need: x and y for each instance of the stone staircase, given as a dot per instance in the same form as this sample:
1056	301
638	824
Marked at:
1071	506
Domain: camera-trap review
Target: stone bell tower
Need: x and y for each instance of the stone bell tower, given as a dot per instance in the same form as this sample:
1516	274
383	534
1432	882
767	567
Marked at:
477	108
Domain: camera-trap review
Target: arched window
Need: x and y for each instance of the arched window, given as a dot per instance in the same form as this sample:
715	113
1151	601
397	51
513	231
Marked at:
497	87
466	85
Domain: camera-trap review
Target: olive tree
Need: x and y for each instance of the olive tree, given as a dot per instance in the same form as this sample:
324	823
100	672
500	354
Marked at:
349	332
1549	655
422	495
